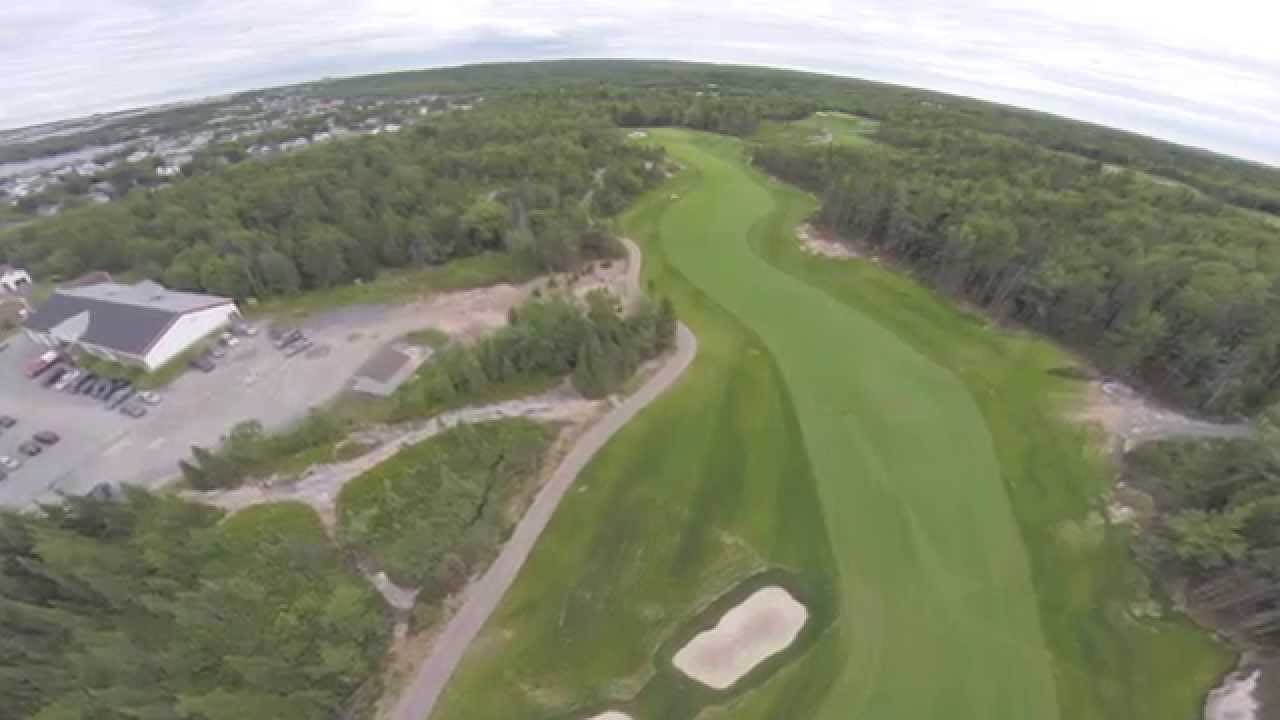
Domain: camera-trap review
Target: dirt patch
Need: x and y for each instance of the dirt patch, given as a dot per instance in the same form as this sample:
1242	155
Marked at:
611	715
1235	698
1130	419
764	624
817	242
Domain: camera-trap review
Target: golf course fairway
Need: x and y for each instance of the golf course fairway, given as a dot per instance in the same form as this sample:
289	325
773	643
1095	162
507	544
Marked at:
902	465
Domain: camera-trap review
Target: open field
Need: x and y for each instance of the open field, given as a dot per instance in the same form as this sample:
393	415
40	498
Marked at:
908	465
824	128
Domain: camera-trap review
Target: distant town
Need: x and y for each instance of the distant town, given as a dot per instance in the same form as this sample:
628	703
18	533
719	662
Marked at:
143	156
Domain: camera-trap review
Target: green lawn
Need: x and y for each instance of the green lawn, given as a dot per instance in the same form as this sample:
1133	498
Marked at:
904	464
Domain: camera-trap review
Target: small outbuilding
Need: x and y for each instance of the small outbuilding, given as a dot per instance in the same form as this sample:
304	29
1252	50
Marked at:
143	324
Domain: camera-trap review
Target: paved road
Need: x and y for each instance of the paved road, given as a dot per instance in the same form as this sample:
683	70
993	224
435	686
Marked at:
419	697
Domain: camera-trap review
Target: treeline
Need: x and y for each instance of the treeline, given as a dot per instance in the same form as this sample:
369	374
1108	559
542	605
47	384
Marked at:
1213	529
147	606
507	176
1161	285
547	338
248	450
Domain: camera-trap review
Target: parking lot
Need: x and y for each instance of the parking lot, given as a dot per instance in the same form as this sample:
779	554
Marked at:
253	382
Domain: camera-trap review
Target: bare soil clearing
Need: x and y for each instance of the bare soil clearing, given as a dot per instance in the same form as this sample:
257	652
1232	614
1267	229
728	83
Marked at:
1130	419
610	715
764	624
815	242
1234	699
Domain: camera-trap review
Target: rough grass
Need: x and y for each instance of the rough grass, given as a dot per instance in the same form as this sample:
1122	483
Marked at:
443	496
841	422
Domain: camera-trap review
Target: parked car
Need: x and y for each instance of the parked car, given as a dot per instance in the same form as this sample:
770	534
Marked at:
10	463
121	398
229	340
244	329
42	363
30	448
203	364
298	348
55	375
289	338
84	384
118	388
134	410
149	397
7	421
4	475
102	388
67	378
46	437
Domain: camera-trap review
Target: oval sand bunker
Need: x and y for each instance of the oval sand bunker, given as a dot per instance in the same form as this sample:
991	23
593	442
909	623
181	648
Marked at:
611	715
764	624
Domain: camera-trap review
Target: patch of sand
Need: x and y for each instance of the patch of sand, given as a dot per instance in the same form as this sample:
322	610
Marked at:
814	242
763	625
611	715
1234	699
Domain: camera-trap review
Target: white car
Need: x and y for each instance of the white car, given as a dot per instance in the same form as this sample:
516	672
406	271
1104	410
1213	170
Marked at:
149	397
67	378
10	463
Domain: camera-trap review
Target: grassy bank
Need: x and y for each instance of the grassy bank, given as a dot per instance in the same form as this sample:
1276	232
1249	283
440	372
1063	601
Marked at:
436	510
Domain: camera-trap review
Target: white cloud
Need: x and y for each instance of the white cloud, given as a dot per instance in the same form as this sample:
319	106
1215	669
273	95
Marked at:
1204	74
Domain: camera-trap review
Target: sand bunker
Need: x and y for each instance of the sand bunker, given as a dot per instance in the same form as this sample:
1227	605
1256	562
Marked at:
611	715
764	624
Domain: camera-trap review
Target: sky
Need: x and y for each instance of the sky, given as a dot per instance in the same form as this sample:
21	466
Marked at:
1205	74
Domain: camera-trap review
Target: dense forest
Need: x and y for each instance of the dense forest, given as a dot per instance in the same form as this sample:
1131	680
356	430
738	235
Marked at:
146	607
1211	527
530	176
1165	286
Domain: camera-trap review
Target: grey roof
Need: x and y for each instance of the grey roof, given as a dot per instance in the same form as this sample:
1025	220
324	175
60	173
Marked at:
126	318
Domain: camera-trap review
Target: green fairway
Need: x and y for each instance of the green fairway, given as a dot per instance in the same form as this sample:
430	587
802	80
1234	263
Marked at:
903	462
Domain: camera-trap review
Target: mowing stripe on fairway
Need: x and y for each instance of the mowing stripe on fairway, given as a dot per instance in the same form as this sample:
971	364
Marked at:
938	614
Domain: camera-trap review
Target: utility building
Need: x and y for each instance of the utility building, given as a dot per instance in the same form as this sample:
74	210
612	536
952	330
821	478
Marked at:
143	324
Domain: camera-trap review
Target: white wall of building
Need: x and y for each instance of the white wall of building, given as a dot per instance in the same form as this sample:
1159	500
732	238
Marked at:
186	331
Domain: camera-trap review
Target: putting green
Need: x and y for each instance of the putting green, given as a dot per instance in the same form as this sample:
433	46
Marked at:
844	426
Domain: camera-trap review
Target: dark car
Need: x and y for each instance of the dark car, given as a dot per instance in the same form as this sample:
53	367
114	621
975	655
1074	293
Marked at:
83	384
4	474
7	421
46	437
101	388
203	364
133	410
289	338
30	448
55	375
124	395
118	387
